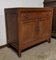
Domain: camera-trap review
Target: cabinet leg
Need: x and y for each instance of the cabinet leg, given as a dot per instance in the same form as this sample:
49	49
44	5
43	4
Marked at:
49	40
19	53
8	45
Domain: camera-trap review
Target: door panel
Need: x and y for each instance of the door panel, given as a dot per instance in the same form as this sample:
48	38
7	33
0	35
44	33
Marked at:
44	28
28	32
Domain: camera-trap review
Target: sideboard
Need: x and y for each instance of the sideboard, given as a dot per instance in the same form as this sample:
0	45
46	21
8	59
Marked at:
26	27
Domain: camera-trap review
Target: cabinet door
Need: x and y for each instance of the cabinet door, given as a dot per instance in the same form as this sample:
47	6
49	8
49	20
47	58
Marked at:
29	34
45	28
28	31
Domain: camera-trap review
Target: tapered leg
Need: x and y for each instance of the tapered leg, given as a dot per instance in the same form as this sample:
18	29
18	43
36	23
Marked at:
19	53
49	40
8	45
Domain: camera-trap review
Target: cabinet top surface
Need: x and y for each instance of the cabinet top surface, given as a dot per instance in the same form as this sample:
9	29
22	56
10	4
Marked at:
30	8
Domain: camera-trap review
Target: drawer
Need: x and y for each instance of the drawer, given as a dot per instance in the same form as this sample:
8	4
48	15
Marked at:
34	16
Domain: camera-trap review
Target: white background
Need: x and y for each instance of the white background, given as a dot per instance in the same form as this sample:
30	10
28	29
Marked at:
13	3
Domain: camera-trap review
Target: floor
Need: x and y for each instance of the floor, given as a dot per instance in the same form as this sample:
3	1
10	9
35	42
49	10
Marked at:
44	51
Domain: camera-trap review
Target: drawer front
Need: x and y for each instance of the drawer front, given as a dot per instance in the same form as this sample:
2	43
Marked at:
33	16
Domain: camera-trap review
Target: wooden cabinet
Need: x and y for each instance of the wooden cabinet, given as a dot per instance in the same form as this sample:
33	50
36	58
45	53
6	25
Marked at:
49	0
52	3
26	27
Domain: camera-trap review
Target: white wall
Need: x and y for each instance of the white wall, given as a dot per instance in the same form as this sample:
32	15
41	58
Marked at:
13	3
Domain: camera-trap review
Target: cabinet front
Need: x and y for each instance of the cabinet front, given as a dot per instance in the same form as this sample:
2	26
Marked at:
28	30
34	28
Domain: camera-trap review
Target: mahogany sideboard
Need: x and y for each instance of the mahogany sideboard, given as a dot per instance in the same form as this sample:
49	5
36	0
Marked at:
26	27
52	3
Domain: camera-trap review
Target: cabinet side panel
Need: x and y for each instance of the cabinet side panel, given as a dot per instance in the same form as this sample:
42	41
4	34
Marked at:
11	26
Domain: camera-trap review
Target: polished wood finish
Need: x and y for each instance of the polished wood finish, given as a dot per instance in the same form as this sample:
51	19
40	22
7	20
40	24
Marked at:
52	3
26	27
